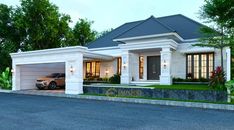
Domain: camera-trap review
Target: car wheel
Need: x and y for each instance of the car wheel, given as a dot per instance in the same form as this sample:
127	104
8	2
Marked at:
52	85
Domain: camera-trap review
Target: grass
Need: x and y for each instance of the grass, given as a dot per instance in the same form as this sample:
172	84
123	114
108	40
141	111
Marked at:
182	87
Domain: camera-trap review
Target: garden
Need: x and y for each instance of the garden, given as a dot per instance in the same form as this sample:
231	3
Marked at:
215	90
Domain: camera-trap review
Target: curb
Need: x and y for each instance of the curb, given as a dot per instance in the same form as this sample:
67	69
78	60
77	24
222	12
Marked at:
137	100
5	91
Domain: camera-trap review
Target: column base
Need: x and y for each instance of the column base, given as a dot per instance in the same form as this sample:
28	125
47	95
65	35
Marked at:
124	80
165	80
74	88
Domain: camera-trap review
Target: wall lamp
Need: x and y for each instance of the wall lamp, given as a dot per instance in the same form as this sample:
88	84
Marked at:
107	72
72	69
164	64
124	65
12	70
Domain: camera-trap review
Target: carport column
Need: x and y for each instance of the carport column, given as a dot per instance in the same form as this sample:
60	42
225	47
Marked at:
125	74
15	77
165	77
74	75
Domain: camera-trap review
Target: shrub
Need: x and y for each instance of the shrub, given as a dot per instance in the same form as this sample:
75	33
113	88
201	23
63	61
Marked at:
5	79
115	79
217	79
230	85
190	80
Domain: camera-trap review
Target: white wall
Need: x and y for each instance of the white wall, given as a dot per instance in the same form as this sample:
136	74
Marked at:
110	66
29	73
178	65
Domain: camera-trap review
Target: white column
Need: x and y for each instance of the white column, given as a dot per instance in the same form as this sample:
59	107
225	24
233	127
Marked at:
165	77
15	77
228	53
125	74
74	75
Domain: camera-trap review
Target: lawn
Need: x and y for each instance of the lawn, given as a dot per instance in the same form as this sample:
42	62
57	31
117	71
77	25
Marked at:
182	87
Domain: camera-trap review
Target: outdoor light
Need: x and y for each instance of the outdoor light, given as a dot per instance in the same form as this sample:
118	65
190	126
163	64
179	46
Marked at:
164	64
72	69
12	71
107	72
124	65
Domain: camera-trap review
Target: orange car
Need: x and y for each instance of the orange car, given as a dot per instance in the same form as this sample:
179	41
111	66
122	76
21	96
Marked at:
51	81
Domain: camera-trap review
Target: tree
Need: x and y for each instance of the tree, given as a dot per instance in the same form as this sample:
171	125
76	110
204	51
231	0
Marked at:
219	13
83	33
36	24
103	33
10	35
45	26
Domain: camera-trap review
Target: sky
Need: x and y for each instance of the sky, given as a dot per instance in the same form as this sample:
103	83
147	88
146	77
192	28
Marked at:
108	14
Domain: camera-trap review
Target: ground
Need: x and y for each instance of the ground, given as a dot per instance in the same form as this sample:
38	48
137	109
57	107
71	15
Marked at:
41	112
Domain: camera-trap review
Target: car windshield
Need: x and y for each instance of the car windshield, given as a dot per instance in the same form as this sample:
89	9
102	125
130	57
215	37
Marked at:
54	75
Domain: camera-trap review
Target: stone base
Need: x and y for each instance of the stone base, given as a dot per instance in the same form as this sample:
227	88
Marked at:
74	88
165	80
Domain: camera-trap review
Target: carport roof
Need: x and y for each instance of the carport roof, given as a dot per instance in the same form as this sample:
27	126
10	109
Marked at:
84	50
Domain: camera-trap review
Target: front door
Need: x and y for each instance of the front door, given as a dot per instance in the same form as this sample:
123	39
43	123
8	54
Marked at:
153	67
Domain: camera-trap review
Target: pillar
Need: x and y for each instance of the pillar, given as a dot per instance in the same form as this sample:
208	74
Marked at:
125	74
165	77
15	77
74	75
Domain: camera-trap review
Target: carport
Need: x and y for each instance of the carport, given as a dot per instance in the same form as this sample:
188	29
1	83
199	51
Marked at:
28	66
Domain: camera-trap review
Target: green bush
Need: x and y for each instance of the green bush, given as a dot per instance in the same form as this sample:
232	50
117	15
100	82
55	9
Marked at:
230	85
217	79
190	80
5	79
115	79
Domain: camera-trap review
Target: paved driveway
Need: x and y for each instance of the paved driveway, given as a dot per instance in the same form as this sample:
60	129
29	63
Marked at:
39	112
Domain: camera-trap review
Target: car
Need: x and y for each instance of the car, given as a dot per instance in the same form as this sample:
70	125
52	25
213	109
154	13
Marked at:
51	81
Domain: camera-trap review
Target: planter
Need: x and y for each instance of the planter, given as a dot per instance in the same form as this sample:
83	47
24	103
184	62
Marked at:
195	95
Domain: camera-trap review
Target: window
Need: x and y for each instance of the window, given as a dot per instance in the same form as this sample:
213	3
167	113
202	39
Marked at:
199	65
93	69
119	65
141	67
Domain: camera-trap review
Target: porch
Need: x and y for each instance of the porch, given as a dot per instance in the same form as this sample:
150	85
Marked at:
148	63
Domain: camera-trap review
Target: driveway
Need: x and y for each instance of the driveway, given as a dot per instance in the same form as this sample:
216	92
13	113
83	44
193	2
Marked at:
27	112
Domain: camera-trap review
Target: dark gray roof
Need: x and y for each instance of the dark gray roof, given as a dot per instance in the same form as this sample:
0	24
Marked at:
183	26
149	26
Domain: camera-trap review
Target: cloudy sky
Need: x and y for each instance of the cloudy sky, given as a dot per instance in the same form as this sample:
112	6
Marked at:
108	14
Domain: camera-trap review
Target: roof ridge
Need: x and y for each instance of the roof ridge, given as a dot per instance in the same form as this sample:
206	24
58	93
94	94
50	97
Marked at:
169	28
192	20
142	21
168	16
106	34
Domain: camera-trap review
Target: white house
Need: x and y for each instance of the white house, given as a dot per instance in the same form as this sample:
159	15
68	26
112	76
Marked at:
148	51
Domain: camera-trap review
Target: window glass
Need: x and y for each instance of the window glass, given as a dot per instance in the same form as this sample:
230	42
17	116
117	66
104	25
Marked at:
141	67
119	65
204	66
200	65
93	69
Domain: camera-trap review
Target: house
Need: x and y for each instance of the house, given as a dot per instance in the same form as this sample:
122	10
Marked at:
150	51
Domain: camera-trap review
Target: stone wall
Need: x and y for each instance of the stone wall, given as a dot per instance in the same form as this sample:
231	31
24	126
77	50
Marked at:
199	95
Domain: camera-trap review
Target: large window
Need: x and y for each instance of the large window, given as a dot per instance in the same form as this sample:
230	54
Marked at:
119	64
141	67
93	69
199	65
